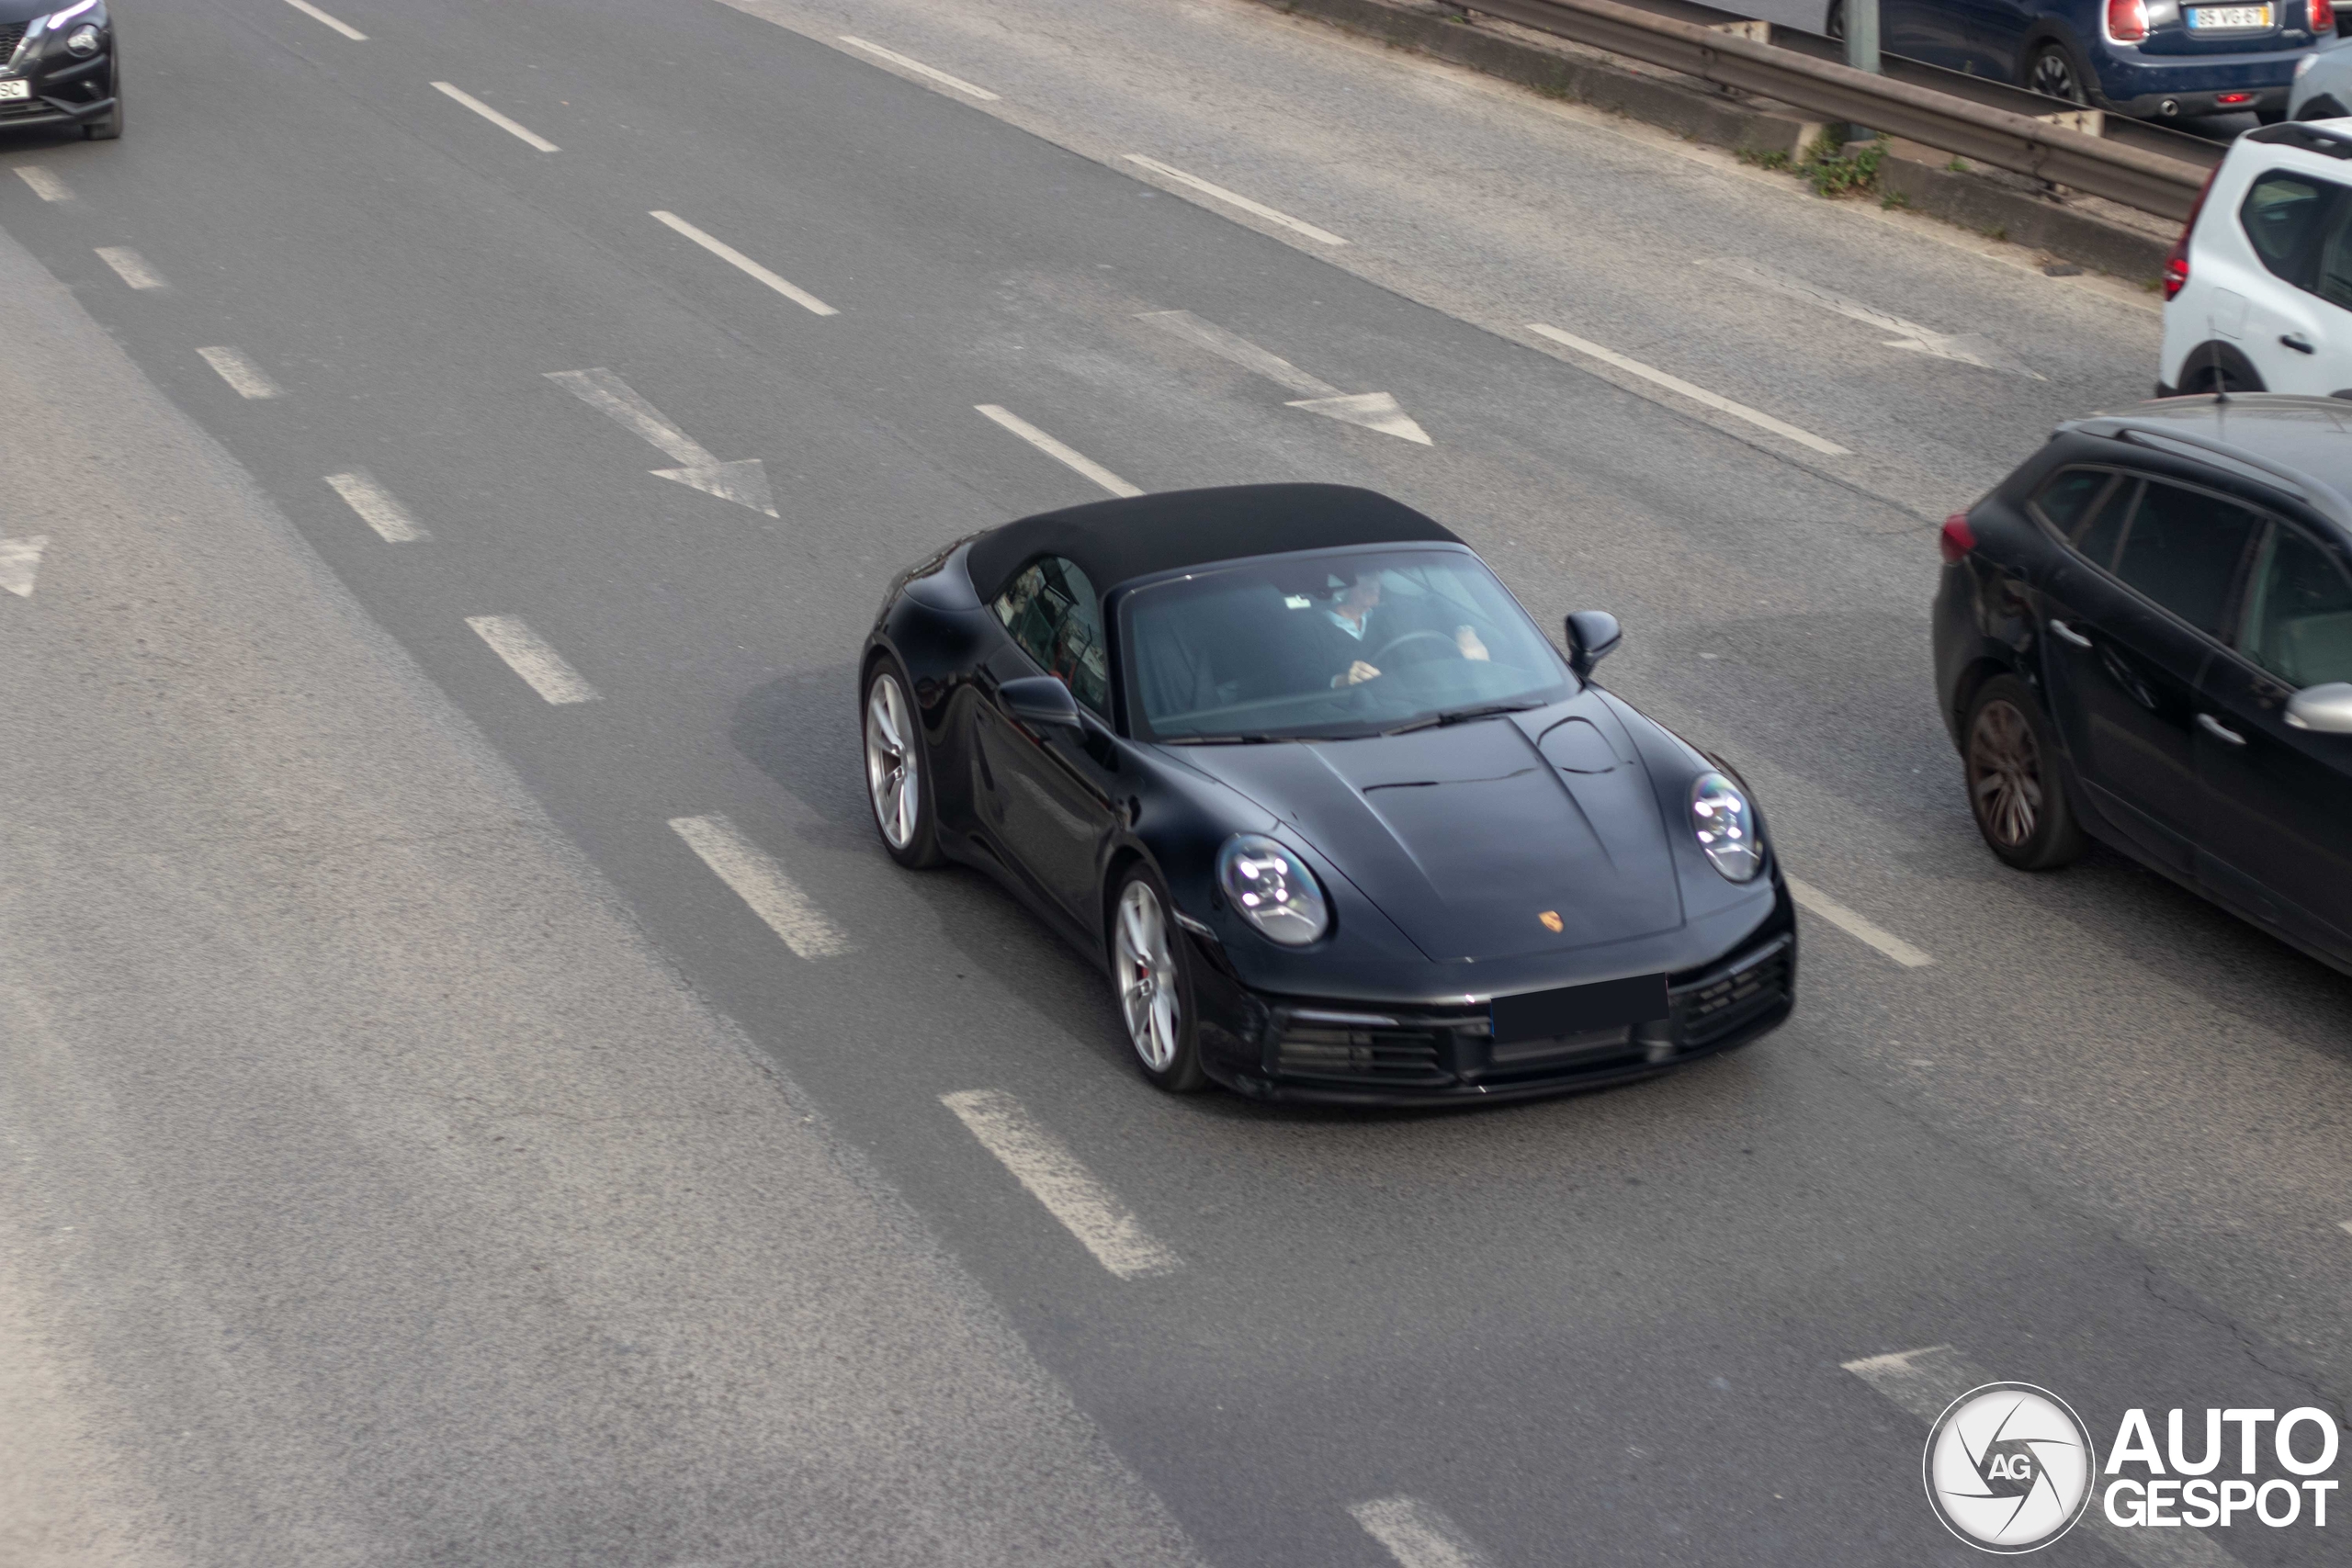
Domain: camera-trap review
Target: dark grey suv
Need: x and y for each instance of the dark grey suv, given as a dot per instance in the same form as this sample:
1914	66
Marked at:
60	66
2145	635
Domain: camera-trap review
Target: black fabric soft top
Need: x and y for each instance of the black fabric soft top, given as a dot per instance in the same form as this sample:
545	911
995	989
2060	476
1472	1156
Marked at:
1118	541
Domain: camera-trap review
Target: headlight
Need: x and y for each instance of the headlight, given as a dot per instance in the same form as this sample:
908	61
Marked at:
57	19
1272	888
1725	825
82	40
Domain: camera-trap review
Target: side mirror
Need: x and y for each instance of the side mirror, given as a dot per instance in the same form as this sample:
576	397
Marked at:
1593	635
1040	701
2326	710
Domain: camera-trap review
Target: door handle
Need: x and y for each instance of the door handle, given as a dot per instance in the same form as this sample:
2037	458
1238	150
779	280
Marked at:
2069	633
2297	342
2218	730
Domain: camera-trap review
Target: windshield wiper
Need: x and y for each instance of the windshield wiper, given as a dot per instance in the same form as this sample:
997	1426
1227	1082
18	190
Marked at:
1460	715
1220	739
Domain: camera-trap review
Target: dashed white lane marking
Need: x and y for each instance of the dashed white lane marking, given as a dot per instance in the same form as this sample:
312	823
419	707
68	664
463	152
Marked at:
1054	1176
1234	198
2345	1226
756	878
533	658
1925	1382
1814	901
1697	394
743	481
248	379
1373	411
378	507
1962	348
130	266
1417	1535
345	29
1069	456
930	72
45	183
21	563
736	258
512	127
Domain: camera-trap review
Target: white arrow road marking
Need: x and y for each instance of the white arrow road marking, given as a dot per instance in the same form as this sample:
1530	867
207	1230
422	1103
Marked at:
756	878
19	561
1697	394
378	507
130	266
737	259
512	127
1234	198
1925	1382
1417	1535
929	72
533	658
1813	901
345	29
1962	348
250	380
1069	456
1054	1176
45	183
744	481
1373	411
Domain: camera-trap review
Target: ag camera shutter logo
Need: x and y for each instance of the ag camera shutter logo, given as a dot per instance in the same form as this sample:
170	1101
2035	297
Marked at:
2009	1467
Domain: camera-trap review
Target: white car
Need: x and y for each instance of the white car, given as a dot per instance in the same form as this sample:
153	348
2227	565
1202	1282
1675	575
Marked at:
2258	290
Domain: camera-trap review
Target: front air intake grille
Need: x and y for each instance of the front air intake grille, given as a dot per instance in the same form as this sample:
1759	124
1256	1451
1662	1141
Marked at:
1714	1006
11	35
1362	1055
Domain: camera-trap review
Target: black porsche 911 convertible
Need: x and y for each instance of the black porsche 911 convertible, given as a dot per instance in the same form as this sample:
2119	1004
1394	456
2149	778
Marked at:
1340	822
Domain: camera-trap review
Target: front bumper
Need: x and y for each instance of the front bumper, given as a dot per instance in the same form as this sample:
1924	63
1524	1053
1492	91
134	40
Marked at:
65	93
1354	1052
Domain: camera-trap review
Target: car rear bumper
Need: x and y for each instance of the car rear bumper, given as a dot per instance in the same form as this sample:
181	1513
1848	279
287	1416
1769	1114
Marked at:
2143	84
1304	1050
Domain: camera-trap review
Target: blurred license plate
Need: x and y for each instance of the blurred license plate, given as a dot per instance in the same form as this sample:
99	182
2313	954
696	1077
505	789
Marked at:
2208	18
14	90
1579	1010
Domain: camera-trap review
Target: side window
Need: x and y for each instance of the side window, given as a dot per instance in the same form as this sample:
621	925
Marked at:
2067	497
2181	548
2299	611
2334	283
2281	216
2100	536
1052	611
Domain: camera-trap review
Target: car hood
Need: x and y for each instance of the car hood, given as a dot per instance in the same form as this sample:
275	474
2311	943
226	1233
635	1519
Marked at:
1468	836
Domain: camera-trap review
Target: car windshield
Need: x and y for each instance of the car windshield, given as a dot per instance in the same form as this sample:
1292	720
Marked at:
1328	645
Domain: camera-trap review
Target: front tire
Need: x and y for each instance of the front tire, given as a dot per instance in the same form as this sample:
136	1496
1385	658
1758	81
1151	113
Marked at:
2017	788
1152	975
897	781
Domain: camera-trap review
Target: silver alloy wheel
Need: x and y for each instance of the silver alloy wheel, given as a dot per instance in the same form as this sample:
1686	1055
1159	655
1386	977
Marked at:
2004	774
2053	76
890	763
1147	973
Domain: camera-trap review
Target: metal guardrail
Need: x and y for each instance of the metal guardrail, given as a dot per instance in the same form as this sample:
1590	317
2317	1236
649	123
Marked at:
2163	178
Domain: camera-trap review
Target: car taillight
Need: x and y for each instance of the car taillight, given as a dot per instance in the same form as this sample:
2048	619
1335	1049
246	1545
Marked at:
2322	16
1957	539
2127	20
2177	264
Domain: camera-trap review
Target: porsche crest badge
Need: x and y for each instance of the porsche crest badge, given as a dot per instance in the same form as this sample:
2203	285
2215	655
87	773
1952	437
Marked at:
1552	922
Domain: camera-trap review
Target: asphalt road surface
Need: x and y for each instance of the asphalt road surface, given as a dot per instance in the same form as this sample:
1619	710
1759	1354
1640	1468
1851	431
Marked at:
474	1090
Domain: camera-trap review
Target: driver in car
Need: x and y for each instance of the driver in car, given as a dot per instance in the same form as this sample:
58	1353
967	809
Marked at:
1352	624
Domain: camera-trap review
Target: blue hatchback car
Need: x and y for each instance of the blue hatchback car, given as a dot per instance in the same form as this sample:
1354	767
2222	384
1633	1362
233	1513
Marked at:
2155	58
